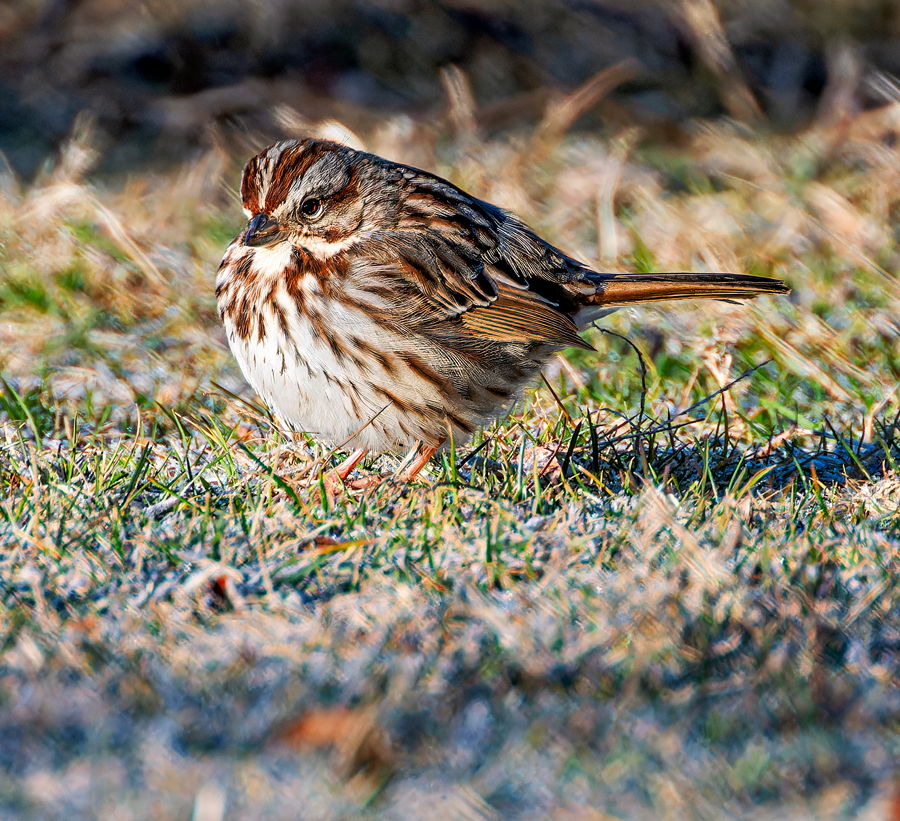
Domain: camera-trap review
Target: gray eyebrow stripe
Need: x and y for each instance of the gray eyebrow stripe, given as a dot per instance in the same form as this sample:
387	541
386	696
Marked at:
324	177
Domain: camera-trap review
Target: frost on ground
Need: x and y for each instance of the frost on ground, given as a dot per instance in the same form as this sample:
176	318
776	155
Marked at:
667	594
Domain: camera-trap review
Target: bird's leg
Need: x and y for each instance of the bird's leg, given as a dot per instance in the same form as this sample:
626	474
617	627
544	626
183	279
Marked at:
409	470
410	467
334	479
345	468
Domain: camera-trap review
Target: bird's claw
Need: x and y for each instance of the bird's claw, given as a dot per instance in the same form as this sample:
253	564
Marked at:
335	485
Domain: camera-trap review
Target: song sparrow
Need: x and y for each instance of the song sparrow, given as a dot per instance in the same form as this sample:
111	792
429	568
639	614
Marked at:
379	306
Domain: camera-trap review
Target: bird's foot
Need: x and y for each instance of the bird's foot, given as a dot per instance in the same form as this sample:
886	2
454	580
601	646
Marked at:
336	484
336	480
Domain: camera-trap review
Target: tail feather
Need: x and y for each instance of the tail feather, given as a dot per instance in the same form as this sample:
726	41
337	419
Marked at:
628	289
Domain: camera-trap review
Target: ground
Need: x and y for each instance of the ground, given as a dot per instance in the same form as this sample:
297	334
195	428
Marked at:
663	587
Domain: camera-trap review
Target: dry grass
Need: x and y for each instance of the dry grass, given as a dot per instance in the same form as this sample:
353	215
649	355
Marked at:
641	600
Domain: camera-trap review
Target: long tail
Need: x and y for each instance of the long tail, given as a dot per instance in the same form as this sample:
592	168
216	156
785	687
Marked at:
627	289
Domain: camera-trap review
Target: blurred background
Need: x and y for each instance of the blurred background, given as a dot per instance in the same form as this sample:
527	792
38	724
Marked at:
158	75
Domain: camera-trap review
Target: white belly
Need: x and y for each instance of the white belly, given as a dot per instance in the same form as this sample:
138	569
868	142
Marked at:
309	388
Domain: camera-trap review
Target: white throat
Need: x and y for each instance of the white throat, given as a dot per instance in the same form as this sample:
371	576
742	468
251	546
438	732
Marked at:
270	261
322	249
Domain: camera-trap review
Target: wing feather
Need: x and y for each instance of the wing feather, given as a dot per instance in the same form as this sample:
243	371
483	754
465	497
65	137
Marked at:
478	264
517	316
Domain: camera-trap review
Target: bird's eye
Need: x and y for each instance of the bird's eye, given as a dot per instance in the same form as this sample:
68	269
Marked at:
311	207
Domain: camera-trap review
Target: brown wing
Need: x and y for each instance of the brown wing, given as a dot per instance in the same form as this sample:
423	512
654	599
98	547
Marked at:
473	261
520	316
476	262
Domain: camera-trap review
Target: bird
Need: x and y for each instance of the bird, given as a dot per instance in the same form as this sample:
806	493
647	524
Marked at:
381	308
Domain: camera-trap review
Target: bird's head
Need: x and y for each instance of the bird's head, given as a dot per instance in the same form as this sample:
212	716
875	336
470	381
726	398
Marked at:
315	194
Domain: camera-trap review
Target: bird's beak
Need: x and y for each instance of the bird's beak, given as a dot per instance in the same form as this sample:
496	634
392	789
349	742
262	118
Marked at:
262	230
